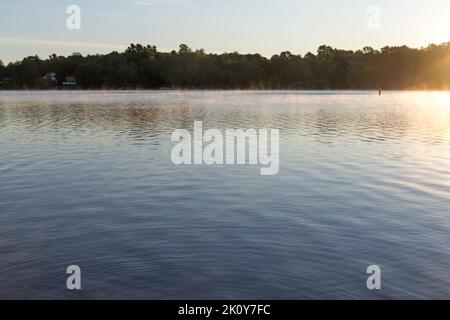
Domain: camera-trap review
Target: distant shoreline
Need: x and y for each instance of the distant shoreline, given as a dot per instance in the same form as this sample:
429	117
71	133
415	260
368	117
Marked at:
139	67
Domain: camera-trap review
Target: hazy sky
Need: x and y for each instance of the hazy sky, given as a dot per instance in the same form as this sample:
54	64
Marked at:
30	27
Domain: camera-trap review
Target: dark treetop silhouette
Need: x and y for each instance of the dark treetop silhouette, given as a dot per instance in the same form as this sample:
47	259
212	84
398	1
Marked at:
145	67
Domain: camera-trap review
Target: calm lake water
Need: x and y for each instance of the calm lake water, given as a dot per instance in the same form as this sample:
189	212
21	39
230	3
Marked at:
87	179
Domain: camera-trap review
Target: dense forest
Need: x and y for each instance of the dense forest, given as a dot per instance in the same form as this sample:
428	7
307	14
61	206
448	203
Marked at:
145	67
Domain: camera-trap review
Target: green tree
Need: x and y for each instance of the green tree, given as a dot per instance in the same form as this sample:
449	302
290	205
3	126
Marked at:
184	49
144	66
29	73
90	74
2	70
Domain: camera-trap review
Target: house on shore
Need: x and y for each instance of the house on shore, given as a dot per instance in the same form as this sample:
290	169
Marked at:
50	78
69	82
6	82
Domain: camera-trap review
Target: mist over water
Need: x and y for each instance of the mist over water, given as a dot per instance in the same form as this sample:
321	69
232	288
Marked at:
86	178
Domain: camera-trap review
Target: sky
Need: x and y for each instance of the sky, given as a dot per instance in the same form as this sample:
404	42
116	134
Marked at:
29	27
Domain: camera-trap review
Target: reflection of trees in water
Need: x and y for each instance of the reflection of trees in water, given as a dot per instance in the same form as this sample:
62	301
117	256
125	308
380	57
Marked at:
323	119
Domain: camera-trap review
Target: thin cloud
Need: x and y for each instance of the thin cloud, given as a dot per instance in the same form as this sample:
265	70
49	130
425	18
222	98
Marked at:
153	2
72	44
143	3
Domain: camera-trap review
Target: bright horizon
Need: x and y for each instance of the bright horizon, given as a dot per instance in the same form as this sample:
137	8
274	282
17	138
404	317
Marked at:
265	26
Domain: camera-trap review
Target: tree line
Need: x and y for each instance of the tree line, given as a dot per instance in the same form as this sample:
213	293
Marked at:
329	68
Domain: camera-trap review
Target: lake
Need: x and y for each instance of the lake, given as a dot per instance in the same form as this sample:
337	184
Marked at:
87	179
